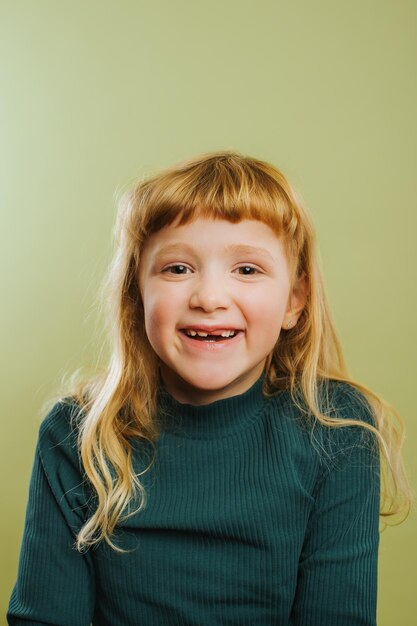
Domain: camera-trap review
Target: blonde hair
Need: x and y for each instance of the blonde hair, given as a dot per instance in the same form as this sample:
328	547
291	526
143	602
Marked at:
121	402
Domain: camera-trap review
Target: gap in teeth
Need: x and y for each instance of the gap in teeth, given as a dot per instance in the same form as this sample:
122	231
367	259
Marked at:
202	333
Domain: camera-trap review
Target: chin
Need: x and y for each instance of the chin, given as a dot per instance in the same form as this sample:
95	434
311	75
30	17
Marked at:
205	384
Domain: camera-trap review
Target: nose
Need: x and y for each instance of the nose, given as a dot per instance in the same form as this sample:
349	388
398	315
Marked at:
210	292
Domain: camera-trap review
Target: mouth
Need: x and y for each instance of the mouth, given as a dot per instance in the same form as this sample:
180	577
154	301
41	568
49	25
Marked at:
211	336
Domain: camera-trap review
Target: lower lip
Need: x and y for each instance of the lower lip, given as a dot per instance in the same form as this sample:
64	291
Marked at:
211	346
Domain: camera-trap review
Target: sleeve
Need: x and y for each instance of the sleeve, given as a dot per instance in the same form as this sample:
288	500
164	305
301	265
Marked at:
337	574
55	583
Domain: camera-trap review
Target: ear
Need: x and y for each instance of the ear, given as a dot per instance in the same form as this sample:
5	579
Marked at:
296	301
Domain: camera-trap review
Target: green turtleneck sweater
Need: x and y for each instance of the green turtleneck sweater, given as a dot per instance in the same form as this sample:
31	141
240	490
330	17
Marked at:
247	522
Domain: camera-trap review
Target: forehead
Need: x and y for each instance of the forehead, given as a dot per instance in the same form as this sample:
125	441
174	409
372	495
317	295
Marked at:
215	234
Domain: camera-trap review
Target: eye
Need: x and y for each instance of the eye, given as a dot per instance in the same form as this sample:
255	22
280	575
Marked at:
176	269
247	270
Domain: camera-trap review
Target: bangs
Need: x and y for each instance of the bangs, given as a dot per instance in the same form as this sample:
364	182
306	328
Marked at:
219	186
223	186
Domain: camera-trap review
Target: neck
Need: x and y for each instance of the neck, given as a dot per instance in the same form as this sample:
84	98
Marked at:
215	419
184	392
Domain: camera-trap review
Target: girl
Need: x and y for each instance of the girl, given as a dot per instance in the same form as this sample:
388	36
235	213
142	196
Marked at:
224	468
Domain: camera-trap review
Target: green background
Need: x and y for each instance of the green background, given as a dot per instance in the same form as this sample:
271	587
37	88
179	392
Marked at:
95	94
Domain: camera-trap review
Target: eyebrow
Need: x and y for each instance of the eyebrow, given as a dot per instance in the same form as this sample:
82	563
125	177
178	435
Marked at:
236	248
247	249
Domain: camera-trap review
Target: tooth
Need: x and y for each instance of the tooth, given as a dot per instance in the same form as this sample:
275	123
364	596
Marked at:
201	333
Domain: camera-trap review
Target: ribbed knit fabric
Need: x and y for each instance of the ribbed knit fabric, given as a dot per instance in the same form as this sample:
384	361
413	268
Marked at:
247	523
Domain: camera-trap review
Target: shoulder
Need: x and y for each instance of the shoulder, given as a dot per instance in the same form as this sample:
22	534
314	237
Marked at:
342	400
57	441
349	440
61	421
339	401
351	413
336	399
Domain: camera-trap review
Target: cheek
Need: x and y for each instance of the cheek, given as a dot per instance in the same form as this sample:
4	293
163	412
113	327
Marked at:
267	308
266	314
155	324
158	307
154	318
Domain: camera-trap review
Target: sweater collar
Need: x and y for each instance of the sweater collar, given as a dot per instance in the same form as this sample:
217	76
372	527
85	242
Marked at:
217	419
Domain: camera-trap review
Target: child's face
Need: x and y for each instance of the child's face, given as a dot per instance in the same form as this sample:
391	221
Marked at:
212	274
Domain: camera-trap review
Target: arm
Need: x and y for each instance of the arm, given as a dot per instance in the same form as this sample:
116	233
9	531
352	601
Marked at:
55	583
337	576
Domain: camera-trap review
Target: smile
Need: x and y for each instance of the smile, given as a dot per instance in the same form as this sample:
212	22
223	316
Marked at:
211	341
203	335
